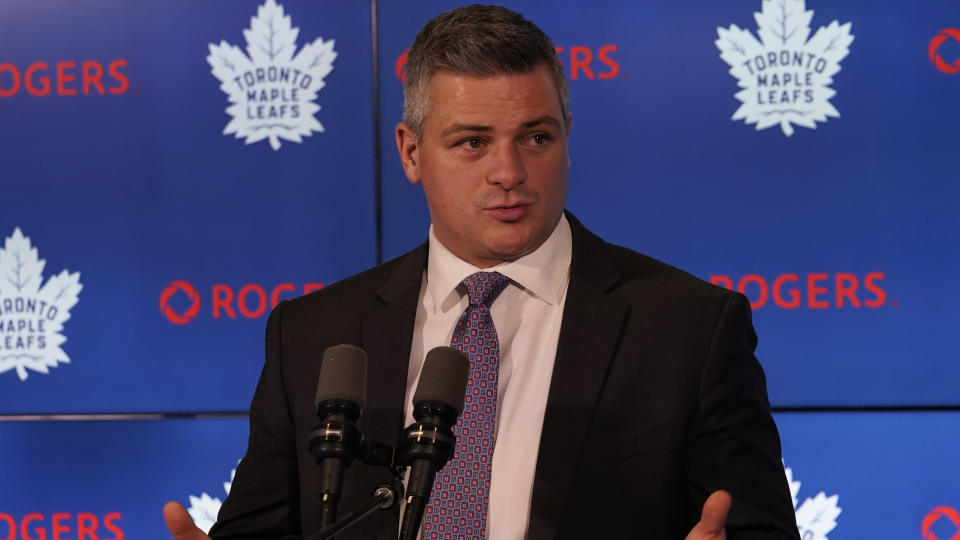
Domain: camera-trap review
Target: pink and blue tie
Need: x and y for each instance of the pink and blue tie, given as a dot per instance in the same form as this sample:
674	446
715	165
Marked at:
458	506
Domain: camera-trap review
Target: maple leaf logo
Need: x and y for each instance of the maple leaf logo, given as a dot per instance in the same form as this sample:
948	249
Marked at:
31	316
271	90
204	509
784	78
815	517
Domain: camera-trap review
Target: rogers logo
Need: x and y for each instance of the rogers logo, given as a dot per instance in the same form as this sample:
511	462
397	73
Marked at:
934	516
578	60
180	301
67	78
814	291
61	526
189	313
582	61
935	44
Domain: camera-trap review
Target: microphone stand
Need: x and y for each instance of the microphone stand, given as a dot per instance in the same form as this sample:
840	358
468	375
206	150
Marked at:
383	498
427	445
371	452
417	504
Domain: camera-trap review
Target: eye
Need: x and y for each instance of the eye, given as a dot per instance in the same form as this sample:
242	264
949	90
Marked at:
539	139
472	143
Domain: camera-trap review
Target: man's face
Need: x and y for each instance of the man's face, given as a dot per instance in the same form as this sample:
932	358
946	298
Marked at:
493	163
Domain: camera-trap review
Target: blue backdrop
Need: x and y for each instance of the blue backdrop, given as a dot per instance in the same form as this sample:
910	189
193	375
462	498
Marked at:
170	170
166	219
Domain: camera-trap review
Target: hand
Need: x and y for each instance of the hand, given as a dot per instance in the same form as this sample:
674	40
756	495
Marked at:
180	524
713	518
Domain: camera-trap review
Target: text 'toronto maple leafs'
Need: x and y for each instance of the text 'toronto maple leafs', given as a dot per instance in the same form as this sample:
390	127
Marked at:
31	315
271	89
784	77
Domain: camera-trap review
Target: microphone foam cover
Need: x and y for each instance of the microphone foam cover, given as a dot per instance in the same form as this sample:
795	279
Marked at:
444	378
343	375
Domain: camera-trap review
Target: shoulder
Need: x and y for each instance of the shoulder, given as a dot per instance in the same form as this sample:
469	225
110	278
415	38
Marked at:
635	278
641	273
360	293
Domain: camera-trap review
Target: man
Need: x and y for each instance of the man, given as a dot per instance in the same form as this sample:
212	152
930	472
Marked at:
624	393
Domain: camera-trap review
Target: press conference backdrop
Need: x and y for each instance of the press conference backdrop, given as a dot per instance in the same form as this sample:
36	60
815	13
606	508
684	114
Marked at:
171	170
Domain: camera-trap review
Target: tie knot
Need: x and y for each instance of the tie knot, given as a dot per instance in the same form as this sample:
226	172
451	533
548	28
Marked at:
484	287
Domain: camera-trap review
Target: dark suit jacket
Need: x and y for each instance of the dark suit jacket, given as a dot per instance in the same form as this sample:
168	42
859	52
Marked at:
656	401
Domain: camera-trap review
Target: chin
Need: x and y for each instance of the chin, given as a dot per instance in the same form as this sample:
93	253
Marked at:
513	249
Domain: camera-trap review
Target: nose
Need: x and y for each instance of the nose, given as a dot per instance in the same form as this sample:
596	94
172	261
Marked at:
506	167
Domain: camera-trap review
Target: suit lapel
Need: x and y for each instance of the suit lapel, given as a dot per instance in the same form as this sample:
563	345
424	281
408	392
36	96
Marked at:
589	335
386	335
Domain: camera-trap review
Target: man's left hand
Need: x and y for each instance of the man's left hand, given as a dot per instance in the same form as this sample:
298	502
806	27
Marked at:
713	518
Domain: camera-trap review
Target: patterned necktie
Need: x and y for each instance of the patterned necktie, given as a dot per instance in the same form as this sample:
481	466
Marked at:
458	507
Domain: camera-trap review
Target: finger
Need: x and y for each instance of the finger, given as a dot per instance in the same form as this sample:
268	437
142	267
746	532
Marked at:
180	523
715	510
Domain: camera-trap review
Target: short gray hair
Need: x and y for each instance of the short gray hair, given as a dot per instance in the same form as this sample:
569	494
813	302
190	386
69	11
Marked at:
479	41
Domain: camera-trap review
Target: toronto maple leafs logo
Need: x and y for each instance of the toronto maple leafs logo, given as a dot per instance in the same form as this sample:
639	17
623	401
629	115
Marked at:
784	78
204	509
31	315
271	90
817	516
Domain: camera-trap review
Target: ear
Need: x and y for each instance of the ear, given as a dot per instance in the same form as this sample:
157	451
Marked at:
409	149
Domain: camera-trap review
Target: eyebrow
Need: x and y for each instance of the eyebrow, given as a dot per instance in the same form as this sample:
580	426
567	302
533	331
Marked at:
454	128
545	119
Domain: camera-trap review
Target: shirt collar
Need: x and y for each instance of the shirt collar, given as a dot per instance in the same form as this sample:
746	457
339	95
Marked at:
544	273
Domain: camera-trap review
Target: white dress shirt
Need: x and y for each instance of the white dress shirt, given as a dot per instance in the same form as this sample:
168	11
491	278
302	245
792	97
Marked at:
527	316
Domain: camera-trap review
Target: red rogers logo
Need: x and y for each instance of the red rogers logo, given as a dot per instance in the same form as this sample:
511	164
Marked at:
814	291
190	312
251	301
935	44
66	78
582	61
934	516
62	526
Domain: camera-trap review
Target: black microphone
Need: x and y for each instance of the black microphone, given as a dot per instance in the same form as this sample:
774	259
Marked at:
336	440
429	442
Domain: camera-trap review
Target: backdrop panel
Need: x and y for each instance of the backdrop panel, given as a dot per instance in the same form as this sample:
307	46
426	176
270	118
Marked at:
812	167
854	475
873	475
189	164
110	479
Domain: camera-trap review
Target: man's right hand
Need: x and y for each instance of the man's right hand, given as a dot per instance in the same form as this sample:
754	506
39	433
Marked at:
180	523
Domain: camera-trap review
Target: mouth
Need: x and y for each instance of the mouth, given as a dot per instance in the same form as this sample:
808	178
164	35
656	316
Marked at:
509	213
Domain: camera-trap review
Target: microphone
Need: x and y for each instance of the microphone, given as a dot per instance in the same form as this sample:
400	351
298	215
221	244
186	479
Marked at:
429	442
336	440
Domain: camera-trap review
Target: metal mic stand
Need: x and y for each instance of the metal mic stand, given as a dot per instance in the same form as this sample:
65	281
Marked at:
384	498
